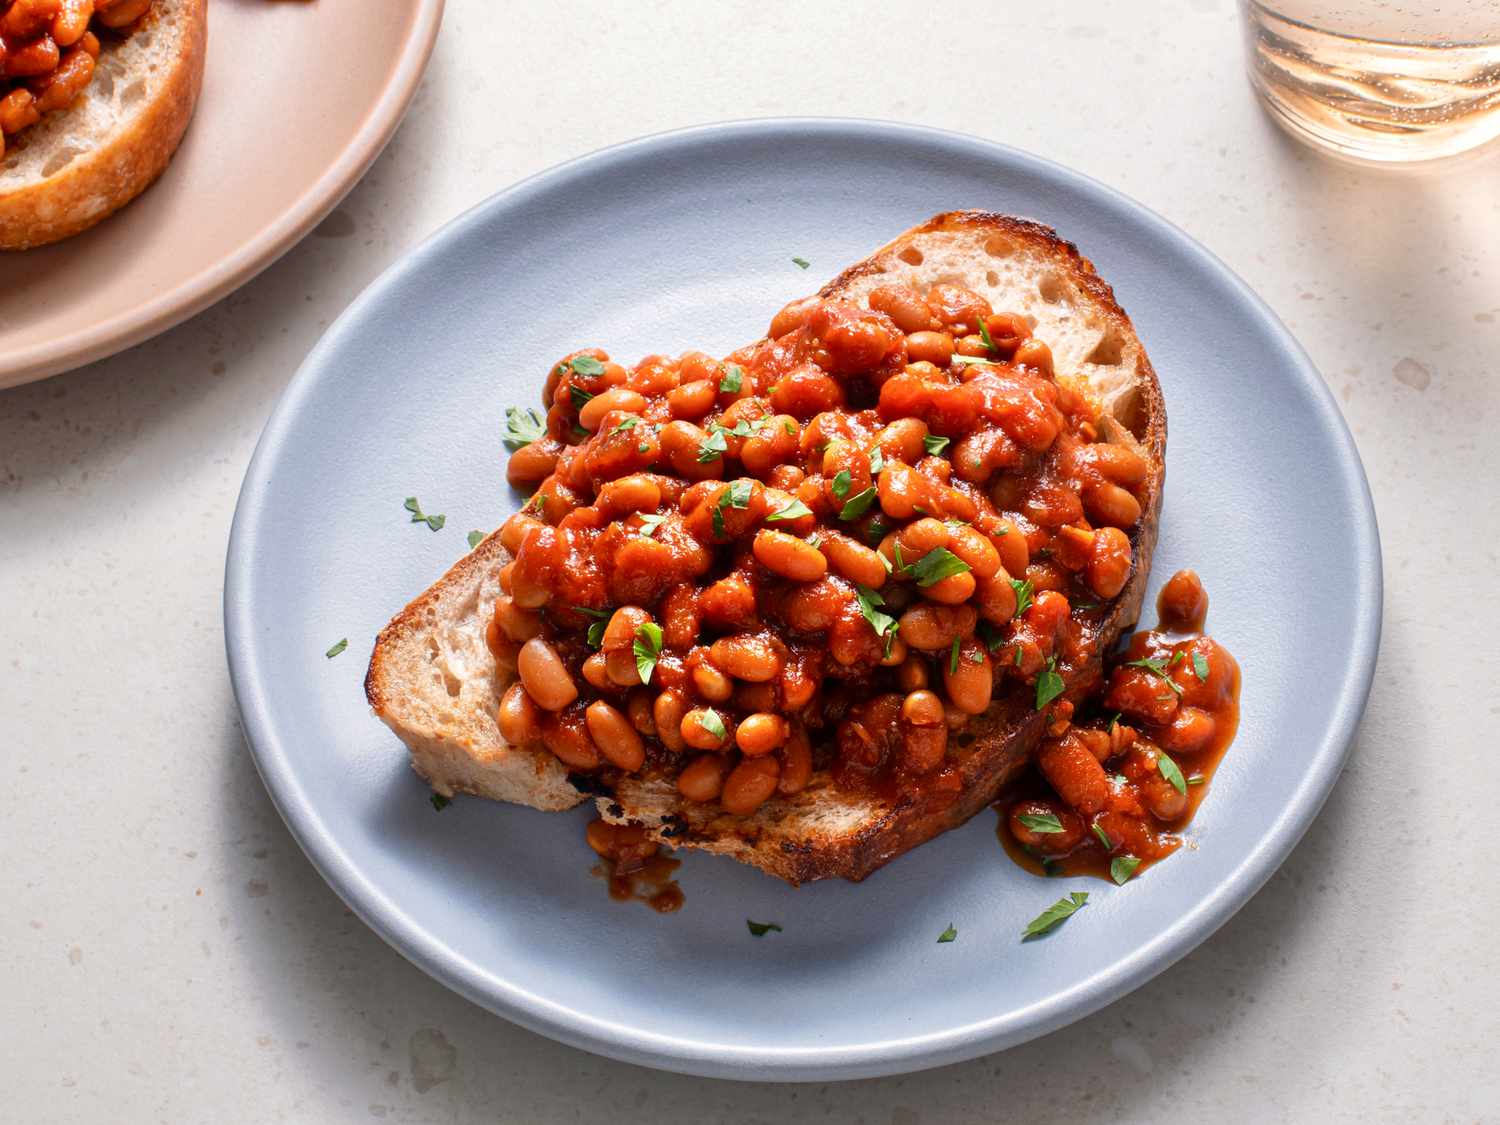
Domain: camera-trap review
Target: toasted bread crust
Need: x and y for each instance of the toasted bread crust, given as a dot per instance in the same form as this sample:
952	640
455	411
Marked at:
1004	736
455	741
99	182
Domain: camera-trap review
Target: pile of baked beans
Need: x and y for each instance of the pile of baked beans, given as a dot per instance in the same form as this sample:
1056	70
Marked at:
48	49
1122	779
828	550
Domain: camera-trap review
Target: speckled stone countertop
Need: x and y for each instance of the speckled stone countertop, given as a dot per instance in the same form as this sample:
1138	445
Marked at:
167	954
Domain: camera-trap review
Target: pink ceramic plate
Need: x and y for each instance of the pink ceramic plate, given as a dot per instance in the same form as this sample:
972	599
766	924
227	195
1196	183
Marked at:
298	100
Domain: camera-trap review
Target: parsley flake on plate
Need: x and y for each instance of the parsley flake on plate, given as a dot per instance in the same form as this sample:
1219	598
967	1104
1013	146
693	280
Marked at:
1055	915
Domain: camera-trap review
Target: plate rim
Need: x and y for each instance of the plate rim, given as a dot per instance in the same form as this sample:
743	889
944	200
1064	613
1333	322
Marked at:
188	298
620	1041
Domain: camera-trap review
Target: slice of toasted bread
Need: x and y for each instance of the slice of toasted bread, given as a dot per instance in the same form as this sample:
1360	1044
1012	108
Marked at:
1020	267
78	165
434	681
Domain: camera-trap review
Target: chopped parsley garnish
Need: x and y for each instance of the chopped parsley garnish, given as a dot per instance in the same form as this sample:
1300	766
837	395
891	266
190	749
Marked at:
712	447
1055	915
595	636
858	504
761	929
935	443
950	934
1049	685
649	523
439	802
953	658
984	334
644	447
1109	845
713	723
1113	720
976	656
629	422
1168	769
1200	667
537	502
1047	824
522	427
647	646
877	461
1122	867
793	511
790	427
1017	660
1024	598
1196	779
586	365
935	565
734	379
737	495
883	623
419	516
579	396
1158	668
337	647
475	538
801	263
841	482
991	636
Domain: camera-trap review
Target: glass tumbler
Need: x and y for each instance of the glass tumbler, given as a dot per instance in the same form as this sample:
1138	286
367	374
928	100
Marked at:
1390	81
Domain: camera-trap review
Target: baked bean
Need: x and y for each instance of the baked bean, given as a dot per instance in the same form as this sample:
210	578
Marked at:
796	762
1115	463
638	492
903	305
1141	694
1007	330
712	684
1109	562
17	111
853	560
750	785
1161	797
972	346
520	719
760	733
639	707
592	414
771	446
922	708
1074	773
38	57
681	443
970	685
1011	544
956	304
924	536
1191	730
622	668
703	729
746	657
895	652
624	624
516	623
930	347
534	462
902	440
668	711
680	617
931	628
566	734
693	400
119	13
596	672
912	674
750	697
545	676
1033	353
1111	505
61	88
615	737
1047	842
955	589
1183	603
799	680
789	556
901	491
995	598
703	778
805	391
728	603
792	316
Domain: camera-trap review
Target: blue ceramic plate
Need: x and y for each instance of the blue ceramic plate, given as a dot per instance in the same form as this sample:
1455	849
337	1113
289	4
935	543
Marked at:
687	240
